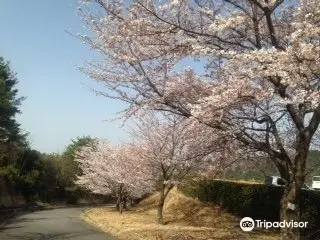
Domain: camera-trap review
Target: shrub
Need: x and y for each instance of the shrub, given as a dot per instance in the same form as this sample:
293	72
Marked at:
73	195
257	201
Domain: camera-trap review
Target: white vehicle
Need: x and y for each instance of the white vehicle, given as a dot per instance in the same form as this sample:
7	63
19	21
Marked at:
316	182
278	181
275	181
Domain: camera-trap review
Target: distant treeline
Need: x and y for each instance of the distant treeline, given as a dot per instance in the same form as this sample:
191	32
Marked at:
257	169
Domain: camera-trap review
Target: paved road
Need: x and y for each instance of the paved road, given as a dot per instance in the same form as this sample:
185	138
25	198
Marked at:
55	224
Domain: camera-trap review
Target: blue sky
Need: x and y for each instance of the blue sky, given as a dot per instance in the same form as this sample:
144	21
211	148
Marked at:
59	106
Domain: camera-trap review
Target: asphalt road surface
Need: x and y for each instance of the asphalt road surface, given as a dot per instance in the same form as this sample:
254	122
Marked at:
63	223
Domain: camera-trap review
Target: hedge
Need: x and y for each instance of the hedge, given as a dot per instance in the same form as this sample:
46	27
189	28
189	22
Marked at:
257	201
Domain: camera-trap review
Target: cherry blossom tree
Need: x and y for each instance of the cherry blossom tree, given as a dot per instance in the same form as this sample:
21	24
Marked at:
115	170
260	82
174	148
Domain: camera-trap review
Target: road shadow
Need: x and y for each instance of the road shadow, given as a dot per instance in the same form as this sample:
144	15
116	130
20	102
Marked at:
42	236
18	218
14	215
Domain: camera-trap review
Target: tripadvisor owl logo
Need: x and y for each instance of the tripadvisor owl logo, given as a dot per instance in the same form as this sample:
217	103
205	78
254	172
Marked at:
247	224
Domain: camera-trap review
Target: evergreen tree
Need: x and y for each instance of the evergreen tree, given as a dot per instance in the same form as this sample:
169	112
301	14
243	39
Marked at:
11	136
68	166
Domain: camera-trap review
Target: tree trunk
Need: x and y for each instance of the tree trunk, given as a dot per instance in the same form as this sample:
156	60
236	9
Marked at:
291	197
125	206
161	204
163	194
121	207
290	211
119	204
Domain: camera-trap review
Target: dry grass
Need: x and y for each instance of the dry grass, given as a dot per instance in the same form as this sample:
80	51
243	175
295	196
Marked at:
185	219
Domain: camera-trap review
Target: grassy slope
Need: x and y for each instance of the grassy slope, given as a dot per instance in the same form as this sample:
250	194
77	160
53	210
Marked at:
185	219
